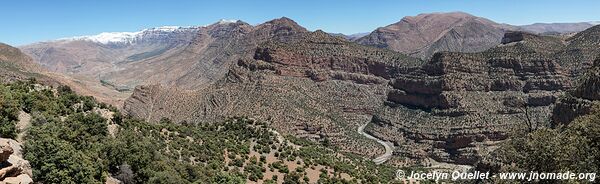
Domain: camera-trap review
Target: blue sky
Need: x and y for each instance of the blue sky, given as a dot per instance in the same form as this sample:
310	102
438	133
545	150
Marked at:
27	21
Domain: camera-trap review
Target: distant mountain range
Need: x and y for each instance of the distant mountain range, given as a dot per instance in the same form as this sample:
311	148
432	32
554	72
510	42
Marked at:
418	36
351	37
171	55
425	34
538	28
556	27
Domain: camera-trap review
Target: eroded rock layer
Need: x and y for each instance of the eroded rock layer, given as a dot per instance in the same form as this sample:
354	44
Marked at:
581	99
453	108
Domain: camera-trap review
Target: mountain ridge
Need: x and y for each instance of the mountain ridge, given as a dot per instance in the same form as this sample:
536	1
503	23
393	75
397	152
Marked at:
427	33
424	34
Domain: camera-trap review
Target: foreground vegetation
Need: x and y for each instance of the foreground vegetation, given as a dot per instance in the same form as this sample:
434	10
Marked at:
74	139
70	140
574	148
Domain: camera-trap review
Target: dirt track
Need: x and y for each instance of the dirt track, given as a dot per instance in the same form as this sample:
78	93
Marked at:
389	147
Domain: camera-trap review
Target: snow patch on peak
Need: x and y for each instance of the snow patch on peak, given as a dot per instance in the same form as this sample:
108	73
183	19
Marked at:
170	28
166	28
108	37
127	37
227	21
594	22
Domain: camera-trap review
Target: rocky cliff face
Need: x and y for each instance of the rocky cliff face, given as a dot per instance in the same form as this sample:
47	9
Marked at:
453	108
308	84
462	104
581	99
425	34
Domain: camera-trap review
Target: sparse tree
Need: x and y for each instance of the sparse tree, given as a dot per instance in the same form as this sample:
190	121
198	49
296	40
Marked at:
522	106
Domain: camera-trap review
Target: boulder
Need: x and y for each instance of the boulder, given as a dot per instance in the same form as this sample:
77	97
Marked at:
20	179
15	145
111	180
13	168
9	171
5	151
21	163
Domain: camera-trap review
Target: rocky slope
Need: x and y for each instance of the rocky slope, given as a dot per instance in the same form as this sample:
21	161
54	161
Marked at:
309	84
350	37
15	65
581	50
98	58
462	104
581	99
453	108
185	57
113	64
425	34
91	54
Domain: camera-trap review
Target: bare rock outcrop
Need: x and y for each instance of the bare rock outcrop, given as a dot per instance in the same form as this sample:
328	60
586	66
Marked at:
580	100
457	102
13	168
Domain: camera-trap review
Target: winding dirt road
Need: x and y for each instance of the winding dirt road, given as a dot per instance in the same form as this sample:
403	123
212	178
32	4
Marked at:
389	147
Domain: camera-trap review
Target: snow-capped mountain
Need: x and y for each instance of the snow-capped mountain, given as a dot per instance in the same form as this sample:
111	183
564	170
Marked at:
134	37
111	56
157	33
594	22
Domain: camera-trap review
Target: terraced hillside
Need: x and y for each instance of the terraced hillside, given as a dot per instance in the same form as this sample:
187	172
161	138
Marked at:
311	85
570	144
461	105
580	101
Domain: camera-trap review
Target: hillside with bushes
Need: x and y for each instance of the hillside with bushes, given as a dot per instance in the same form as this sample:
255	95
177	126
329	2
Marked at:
74	139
